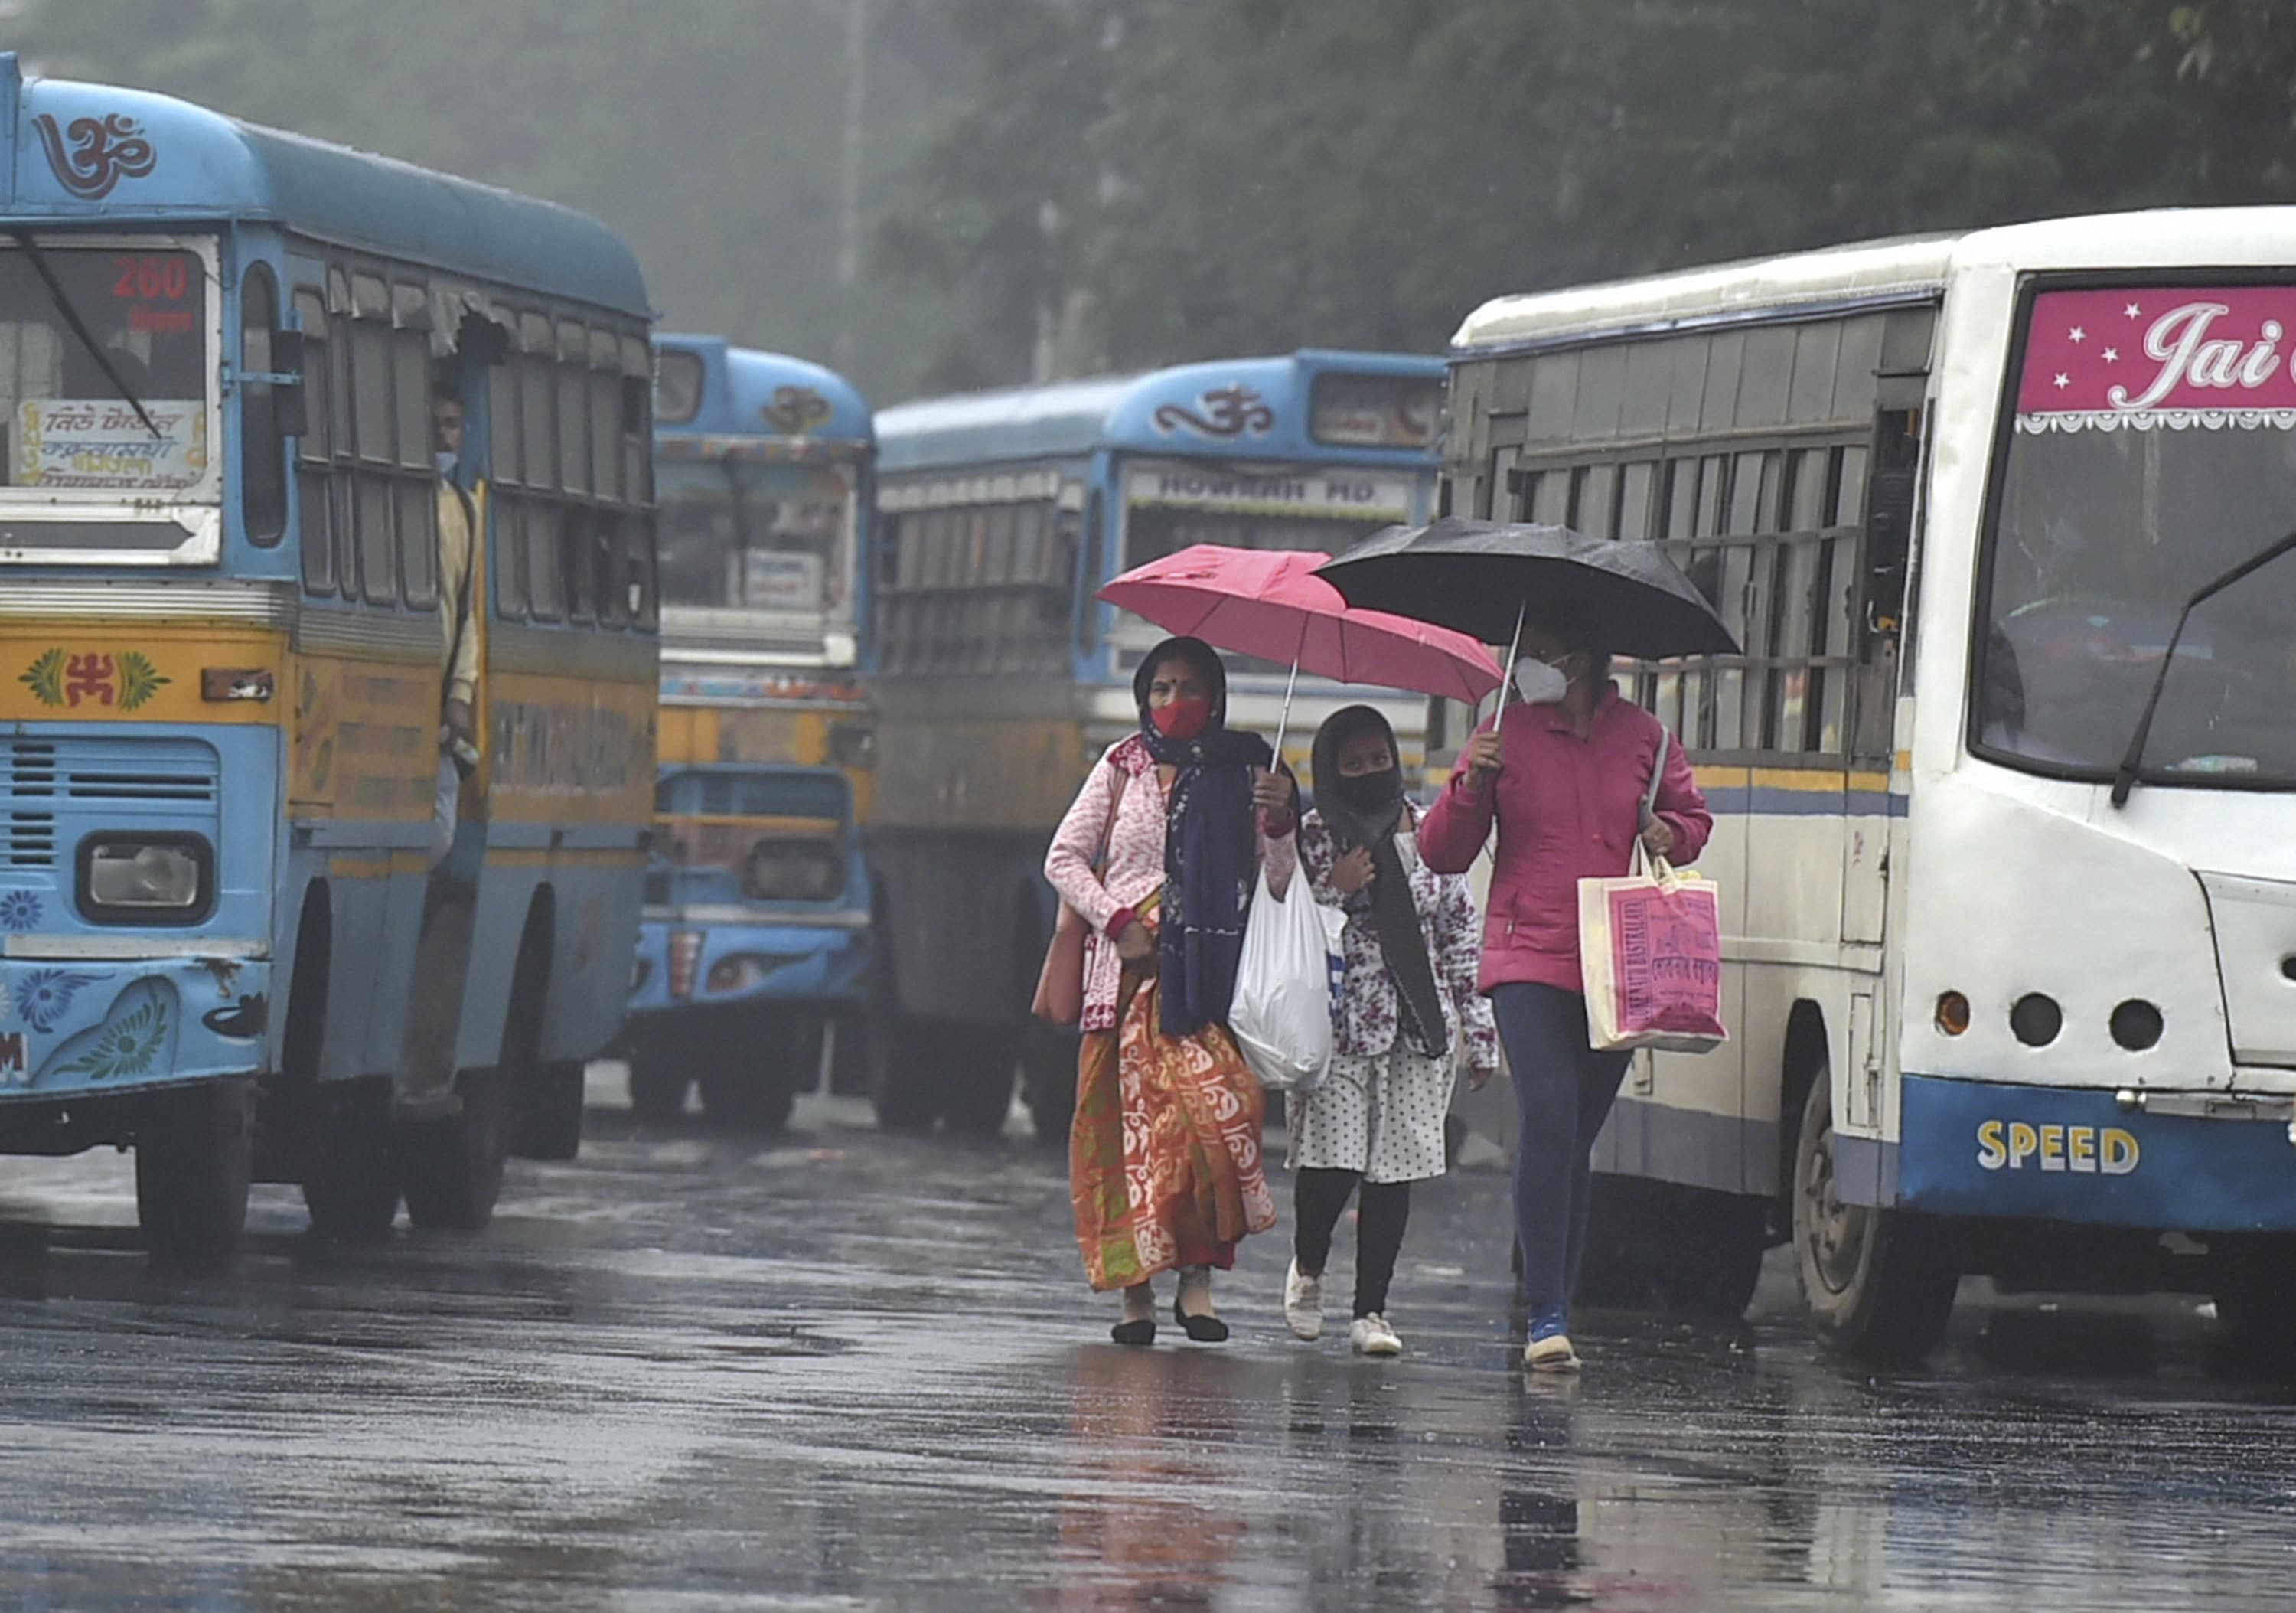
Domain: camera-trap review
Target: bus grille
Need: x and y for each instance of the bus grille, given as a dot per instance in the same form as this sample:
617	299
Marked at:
45	776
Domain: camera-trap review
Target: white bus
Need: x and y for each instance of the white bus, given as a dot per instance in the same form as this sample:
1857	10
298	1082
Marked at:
2002	1003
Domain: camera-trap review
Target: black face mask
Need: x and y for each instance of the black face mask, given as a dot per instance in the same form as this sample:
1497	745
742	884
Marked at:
1366	794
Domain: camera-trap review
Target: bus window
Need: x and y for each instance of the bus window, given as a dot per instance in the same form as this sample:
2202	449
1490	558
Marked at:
606	436
536	433
645	602
546	590
314	480
371	517
577	532
503	440
510	564
418	540
263	460
612	571
574	429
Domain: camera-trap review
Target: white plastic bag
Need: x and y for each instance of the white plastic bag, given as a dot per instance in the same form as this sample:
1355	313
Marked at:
1287	986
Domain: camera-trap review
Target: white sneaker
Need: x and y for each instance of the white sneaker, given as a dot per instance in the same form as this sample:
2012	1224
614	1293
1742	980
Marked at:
1371	1336
1303	1303
1552	1354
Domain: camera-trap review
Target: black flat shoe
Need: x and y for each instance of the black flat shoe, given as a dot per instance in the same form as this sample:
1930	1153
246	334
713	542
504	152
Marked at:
1203	1330
1136	1333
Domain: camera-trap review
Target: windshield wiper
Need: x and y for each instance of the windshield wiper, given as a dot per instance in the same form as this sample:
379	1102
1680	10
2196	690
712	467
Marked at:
2125	777
78	326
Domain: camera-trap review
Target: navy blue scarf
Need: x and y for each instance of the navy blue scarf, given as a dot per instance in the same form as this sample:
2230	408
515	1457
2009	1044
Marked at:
1211	842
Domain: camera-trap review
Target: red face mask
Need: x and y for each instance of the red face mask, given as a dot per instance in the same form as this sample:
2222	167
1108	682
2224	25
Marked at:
1182	720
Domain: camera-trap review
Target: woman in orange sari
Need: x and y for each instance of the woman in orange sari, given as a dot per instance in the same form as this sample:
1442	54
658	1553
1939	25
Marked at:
1159	854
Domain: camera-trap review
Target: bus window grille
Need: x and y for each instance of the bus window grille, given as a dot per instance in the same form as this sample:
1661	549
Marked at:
32	840
90	785
31	768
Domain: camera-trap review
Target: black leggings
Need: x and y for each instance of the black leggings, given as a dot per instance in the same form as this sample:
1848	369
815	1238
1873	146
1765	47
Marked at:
1317	1198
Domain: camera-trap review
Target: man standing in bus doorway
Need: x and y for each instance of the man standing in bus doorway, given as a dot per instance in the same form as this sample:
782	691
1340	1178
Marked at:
458	525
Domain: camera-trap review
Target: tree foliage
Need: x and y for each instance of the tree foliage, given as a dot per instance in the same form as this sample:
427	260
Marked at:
1261	174
710	133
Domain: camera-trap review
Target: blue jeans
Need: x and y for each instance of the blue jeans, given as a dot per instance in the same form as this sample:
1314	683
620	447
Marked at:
1563	1090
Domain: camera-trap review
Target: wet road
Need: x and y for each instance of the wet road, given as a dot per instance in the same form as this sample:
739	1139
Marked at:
842	1370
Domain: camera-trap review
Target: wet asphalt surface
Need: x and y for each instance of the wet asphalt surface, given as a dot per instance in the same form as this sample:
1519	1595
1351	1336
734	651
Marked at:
836	1370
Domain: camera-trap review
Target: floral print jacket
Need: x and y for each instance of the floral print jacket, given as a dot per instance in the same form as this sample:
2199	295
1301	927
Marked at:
1369	1020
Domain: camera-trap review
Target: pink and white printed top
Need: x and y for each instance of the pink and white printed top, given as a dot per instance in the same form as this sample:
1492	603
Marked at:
1107	858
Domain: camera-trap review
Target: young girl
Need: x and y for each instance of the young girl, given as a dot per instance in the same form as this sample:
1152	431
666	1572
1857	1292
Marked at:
1412	948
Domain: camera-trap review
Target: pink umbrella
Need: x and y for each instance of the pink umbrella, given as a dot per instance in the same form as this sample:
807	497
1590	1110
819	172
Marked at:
1269	604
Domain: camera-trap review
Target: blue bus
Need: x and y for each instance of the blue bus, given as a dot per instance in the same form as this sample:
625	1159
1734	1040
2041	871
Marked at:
1001	679
230	938
754	950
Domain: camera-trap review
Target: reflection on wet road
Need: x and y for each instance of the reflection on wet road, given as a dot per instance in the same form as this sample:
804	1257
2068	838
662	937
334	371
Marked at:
838	1369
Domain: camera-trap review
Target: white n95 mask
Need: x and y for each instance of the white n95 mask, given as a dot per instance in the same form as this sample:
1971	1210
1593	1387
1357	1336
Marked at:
1539	682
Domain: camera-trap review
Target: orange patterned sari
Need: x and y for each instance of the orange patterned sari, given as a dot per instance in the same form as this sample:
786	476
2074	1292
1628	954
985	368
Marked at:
1164	1166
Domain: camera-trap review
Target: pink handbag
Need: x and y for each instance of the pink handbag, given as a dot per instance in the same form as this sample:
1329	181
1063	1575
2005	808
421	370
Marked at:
1060	983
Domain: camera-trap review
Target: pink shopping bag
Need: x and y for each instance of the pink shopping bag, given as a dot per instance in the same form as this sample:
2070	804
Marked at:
1650	946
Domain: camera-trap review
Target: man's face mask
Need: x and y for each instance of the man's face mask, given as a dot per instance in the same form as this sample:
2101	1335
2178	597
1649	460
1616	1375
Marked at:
1540	682
446	461
1182	720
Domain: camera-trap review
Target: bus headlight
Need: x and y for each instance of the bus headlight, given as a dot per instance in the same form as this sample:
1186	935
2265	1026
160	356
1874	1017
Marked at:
794	870
145	878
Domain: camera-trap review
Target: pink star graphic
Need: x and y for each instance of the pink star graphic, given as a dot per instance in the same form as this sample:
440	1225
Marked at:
2077	334
2132	310
2062	380
2113	355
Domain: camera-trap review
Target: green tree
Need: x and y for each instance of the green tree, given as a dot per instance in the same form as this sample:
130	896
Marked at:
1270	173
709	132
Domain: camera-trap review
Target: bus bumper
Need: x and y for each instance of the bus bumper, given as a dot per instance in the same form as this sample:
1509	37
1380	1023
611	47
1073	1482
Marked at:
684	966
80	1028
2176	1162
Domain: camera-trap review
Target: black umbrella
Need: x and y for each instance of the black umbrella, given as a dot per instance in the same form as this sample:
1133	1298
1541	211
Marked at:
1481	577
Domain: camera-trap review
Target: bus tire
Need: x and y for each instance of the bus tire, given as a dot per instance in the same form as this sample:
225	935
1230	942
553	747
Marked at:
350	1185
658	1082
1048	1082
1619	1268
975	1088
902	1088
1877	1283
1710	1261
547	1115
454	1167
2256	1306
748	1100
195	1157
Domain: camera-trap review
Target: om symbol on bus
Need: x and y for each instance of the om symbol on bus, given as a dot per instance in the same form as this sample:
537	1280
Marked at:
1228	411
104	151
795	410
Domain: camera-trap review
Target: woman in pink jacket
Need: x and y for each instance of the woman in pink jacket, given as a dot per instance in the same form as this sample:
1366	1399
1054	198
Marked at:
1159	854
1563	775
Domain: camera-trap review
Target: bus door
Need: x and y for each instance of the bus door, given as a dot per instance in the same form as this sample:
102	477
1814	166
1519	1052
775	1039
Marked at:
425	1077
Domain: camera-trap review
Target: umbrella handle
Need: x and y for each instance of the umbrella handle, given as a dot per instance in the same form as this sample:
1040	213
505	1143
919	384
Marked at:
1284	723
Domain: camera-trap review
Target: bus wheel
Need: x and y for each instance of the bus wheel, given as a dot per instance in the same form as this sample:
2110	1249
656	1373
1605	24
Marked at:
1048	1081
976	1093
1710	1261
194	1156
351	1184
1619	1271
1876	1281
903	1088
658	1082
454	1167
2256	1312
749	1101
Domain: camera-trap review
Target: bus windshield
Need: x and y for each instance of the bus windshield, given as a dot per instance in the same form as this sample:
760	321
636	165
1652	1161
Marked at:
756	535
67	427
2152	448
